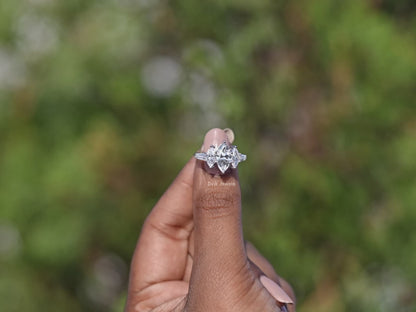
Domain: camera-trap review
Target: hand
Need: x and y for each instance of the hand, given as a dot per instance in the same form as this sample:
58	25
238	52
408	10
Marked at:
191	254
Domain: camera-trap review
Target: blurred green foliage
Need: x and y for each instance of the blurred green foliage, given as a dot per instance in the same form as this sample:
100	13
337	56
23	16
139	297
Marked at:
93	94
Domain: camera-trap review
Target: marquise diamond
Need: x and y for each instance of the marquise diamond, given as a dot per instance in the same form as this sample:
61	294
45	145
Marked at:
211	156
223	155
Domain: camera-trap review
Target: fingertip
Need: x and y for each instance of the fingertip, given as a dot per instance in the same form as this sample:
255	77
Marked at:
275	290
215	136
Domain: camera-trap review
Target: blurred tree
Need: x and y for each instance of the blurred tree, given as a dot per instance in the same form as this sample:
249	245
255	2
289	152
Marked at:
93	94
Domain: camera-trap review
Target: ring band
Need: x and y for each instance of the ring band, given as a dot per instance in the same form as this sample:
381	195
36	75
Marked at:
224	156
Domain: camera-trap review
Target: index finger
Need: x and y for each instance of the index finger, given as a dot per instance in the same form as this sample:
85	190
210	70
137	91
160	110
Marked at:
161	251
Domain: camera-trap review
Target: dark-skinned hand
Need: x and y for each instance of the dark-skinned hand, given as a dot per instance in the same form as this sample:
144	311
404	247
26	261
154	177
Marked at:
191	255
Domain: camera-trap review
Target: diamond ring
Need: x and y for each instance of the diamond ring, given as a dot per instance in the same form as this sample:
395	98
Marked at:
224	156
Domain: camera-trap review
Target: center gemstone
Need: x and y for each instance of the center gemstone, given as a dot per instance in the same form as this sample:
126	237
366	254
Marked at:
224	156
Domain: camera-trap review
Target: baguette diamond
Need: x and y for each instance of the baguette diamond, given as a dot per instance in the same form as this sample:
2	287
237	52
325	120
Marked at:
224	156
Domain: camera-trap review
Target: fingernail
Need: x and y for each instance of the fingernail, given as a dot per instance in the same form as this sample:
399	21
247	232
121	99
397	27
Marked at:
230	135
275	290
214	136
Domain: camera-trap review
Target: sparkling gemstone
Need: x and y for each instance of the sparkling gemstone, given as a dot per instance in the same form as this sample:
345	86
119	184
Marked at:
211	156
222	149
223	157
235	159
223	164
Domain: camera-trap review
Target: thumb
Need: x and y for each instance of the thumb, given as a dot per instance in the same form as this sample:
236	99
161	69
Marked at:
220	262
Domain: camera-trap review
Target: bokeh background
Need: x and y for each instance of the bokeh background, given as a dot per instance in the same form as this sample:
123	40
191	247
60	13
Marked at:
103	101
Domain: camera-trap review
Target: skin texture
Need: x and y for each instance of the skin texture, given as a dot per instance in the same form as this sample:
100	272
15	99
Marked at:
191	255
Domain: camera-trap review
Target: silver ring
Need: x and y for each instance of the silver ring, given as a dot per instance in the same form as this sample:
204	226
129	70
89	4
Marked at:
284	308
224	156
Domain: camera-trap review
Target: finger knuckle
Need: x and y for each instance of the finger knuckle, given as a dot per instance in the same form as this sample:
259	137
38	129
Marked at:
219	202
